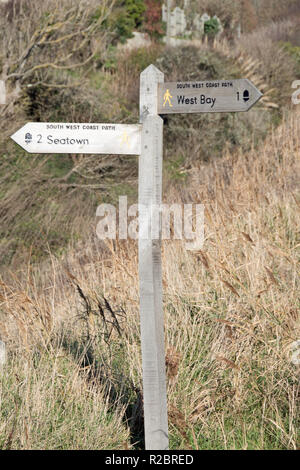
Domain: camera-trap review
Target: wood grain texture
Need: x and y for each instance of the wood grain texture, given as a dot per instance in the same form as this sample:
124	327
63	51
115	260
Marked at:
150	271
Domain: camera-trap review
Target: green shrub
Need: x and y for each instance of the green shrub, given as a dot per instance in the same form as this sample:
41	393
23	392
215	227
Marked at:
127	16
135	10
211	27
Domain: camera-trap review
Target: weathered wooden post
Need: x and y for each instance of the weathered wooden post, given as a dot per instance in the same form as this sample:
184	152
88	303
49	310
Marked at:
150	272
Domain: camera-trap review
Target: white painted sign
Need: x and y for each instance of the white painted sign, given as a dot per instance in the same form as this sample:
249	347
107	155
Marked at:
42	137
207	97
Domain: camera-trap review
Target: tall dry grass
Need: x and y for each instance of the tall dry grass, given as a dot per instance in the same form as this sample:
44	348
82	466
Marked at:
231	316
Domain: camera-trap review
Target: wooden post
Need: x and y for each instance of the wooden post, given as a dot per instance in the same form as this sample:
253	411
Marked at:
150	273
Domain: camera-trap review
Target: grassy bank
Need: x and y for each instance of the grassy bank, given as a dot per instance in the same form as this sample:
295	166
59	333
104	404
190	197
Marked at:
73	377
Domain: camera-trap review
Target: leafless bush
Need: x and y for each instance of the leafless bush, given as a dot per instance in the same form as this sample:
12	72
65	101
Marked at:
46	39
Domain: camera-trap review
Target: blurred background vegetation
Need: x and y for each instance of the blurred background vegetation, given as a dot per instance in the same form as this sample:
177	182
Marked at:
64	61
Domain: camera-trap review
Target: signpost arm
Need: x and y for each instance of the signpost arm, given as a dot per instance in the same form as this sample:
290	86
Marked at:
150	272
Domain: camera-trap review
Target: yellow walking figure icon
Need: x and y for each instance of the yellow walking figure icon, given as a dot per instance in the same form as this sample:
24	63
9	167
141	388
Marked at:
167	97
125	139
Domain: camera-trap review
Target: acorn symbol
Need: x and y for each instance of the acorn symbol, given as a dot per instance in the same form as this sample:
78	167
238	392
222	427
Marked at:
28	138
246	95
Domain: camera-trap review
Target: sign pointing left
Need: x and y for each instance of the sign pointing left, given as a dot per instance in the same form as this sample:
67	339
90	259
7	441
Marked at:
43	137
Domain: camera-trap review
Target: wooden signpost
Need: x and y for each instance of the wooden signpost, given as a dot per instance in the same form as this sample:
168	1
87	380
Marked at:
146	140
150	271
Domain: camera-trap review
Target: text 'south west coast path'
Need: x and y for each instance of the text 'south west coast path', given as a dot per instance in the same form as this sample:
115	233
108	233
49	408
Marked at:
207	97
41	137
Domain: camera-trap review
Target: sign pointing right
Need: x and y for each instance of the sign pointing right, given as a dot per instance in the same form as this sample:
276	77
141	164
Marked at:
217	96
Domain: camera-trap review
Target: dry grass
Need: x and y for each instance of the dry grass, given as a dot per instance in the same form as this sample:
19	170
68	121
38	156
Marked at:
231	315
48	402
265	44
